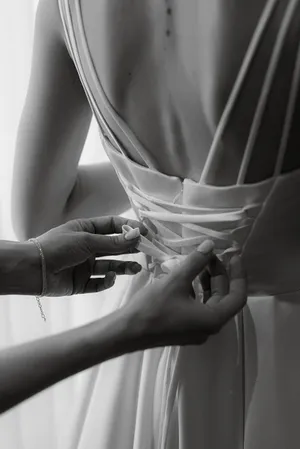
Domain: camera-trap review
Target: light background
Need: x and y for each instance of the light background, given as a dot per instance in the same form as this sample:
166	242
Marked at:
40	421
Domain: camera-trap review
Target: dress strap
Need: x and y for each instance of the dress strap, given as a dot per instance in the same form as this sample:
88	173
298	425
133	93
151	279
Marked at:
249	56
149	161
266	88
289	116
72	47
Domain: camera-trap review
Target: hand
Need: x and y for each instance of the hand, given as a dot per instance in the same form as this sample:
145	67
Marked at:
70	251
167	312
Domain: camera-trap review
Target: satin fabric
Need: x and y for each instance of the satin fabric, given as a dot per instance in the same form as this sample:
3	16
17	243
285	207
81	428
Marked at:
240	389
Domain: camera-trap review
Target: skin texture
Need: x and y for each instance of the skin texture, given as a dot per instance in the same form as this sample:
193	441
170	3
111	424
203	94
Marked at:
167	67
162	314
69	251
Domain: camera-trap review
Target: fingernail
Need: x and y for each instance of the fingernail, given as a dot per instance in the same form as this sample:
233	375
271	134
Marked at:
110	279
135	268
133	234
206	247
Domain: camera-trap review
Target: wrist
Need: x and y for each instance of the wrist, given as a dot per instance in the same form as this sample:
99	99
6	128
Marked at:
112	336
138	328
20	269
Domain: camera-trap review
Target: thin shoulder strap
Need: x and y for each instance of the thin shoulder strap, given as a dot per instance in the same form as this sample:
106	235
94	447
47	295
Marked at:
289	116
105	128
122	126
71	43
249	56
266	88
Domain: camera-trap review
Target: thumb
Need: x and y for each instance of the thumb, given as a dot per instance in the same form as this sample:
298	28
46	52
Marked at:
195	262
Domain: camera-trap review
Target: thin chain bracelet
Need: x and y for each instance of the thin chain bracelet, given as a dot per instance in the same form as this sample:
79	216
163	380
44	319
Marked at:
44	277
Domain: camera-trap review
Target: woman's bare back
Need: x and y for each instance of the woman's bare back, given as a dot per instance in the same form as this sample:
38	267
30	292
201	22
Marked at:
168	68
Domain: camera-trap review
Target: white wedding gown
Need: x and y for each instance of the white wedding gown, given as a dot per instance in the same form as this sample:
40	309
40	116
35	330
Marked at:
240	389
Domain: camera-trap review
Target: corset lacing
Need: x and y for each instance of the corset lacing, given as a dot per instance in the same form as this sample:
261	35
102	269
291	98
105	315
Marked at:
167	248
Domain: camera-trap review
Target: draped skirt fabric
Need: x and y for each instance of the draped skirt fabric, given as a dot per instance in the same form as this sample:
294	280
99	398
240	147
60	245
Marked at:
239	390
161	398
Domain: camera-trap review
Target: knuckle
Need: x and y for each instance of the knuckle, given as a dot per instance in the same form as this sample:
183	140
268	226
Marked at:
83	225
115	240
80	223
74	224
87	240
114	220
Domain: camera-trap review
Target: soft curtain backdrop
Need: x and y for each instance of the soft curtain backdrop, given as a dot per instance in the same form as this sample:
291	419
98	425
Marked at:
40	421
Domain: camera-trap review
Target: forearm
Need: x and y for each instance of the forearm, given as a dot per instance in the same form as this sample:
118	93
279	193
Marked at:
20	269
97	192
27	369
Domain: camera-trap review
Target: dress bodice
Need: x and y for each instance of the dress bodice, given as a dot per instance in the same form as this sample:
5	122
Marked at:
207	396
184	212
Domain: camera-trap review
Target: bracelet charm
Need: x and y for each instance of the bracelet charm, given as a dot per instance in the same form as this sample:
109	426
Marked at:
44	277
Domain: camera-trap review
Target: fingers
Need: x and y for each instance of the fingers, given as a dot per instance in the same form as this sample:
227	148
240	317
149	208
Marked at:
109	268
102	245
205	284
120	267
232	303
194	263
219	283
106	225
100	284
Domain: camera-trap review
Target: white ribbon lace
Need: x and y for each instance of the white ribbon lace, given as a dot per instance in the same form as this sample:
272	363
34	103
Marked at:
165	246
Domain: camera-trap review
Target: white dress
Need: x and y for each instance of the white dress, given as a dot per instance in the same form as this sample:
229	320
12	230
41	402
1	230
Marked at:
240	389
